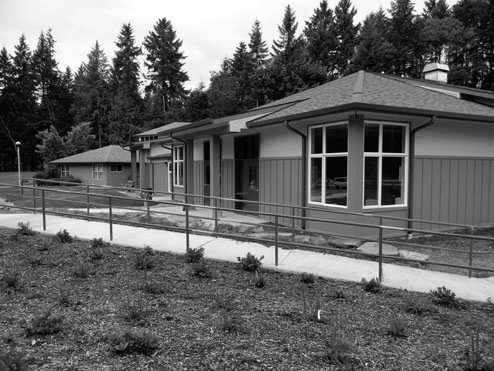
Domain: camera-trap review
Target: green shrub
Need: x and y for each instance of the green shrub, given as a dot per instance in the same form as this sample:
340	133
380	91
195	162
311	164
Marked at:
397	327
98	247
64	298
134	342
24	229
373	285
307	278
259	279
225	302
154	288
11	279
337	351
13	361
82	270
99	242
250	262
64	236
445	297
134	312
232	323
416	304
45	324
201	270
194	255
144	259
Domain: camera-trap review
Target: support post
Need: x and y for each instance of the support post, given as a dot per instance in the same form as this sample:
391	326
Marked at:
276	240
470	253
380	249
110	217
87	199
43	208
187	241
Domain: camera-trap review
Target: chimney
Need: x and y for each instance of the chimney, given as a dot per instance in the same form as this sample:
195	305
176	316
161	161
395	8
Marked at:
436	72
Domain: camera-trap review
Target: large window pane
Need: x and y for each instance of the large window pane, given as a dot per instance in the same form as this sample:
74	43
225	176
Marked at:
315	179
371	181
371	140
392	181
316	140
336	180
336	139
393	139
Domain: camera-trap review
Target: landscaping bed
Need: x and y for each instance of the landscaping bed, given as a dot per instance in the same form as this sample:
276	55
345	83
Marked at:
86	305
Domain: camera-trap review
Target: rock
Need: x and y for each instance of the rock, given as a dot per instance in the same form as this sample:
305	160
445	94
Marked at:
372	248
244	229
344	243
302	239
413	255
225	228
319	241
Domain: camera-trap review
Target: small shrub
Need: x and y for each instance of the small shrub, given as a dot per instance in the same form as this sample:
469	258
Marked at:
24	229
232	323
64	298
99	242
134	342
144	259
201	270
250	263
11	279
225	302
445	297
13	361
416	304
194	255
337	351
259	279
64	236
45	324
43	244
82	270
134	312
154	288
397	327
98	247
307	278
373	285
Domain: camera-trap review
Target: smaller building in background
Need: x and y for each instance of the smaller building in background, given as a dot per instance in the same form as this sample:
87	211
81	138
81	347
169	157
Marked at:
109	166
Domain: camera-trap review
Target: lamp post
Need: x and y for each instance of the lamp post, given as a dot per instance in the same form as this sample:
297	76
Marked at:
18	147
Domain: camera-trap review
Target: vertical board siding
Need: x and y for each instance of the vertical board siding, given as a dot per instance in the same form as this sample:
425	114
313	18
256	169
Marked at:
199	181
227	182
280	183
454	190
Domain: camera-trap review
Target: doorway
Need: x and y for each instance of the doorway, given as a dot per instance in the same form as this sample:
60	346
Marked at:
247	172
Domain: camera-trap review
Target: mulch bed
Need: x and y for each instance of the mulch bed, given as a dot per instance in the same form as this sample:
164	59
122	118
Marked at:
221	322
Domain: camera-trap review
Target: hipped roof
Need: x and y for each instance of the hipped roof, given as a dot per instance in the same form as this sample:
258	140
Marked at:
108	154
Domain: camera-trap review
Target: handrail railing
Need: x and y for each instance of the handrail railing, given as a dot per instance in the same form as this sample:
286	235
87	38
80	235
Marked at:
380	227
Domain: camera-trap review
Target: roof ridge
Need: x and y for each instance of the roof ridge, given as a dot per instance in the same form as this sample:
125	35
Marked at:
358	87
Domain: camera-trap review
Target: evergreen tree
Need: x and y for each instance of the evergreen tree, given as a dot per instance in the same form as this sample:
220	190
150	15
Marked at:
320	35
51	147
126	103
164	62
436	9
243	68
373	50
288	48
79	139
197	104
222	92
257	46
92	93
404	36
346	35
5	70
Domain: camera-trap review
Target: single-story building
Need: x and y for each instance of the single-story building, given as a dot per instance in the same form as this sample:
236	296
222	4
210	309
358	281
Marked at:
110	165
366	143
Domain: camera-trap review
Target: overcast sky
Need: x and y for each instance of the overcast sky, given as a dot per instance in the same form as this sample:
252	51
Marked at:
210	29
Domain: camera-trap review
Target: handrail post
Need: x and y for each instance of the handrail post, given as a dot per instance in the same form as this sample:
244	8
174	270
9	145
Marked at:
22	187
43	207
293	223
470	252
87	199
215	212
148	212
276	240
110	217
380	249
34	197
187	244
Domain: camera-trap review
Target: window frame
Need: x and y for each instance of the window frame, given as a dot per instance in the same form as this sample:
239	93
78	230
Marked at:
178	163
405	155
64	170
323	156
97	169
118	168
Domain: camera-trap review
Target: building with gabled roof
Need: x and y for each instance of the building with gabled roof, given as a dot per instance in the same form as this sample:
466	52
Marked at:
110	165
364	144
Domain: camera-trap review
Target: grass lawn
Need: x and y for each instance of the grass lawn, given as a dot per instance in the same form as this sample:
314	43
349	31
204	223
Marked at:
69	306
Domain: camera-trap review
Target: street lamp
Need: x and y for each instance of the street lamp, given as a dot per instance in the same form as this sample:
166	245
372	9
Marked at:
18	147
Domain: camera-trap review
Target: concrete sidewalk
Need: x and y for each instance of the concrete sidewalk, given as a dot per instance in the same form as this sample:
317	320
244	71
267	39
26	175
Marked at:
325	265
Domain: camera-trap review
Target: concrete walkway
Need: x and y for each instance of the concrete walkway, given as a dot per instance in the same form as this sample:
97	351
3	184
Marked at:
325	265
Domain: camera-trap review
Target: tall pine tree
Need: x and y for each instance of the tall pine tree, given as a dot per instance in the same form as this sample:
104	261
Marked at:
257	46
346	34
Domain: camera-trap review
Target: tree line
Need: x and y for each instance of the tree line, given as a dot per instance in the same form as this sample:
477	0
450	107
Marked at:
55	113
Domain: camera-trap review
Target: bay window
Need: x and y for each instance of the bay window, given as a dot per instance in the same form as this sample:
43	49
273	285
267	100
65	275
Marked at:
385	164
328	164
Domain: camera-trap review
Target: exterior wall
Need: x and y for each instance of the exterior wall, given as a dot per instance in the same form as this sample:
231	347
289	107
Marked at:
227	182
199	181
279	142
84	172
160	179
454	190
280	182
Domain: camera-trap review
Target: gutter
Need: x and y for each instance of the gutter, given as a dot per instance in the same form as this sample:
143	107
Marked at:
412	170
304	170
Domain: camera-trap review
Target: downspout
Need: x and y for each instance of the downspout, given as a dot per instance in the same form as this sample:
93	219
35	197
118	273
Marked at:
304	171
412	170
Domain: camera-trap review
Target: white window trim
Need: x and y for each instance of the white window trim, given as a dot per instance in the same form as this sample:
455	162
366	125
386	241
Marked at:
380	156
116	167
65	170
176	165
323	156
97	169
